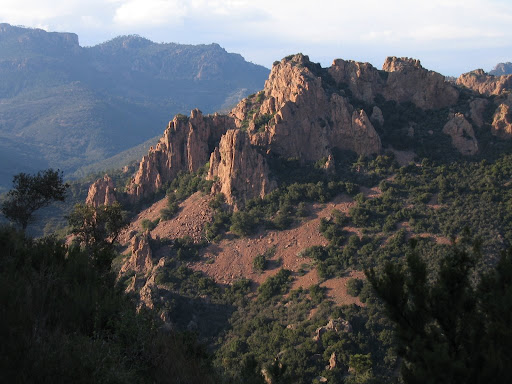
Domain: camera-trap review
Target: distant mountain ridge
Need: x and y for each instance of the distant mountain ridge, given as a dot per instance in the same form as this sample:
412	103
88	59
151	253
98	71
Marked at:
67	106
502	69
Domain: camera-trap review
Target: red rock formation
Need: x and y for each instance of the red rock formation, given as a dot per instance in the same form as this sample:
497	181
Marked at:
485	84
185	146
141	259
408	81
362	79
304	121
462	134
401	80
241	172
101	192
502	122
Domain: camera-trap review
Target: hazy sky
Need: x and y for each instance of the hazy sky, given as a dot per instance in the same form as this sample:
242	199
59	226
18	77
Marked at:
449	36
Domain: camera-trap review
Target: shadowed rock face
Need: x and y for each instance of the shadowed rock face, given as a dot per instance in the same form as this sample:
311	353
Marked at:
485	84
462	134
185	146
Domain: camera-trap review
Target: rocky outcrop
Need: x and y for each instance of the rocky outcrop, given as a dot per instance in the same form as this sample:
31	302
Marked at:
303	120
141	259
333	361
485	84
401	79
336	325
362	79
101	192
329	165
408	81
148	294
462	134
241	173
185	146
476	111
502	122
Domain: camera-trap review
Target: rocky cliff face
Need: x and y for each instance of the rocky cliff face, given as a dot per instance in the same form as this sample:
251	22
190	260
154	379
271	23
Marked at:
485	84
305	111
401	80
462	134
302	119
408	81
241	171
101	192
185	146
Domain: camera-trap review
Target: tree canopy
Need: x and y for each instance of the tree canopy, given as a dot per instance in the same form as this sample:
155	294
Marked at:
450	329
33	192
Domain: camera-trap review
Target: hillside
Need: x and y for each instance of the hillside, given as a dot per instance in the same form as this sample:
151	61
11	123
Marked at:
67	106
253	228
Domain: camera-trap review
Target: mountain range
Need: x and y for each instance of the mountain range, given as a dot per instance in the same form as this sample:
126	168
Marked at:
67	106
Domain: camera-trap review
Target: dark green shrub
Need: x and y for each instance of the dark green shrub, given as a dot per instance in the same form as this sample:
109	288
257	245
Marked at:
243	223
354	287
259	263
148	225
317	293
274	285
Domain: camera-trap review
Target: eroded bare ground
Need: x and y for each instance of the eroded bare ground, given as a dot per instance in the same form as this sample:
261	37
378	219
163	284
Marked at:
232	258
189	221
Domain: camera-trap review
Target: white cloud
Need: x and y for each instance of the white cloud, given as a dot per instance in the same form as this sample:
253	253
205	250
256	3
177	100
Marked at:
150	12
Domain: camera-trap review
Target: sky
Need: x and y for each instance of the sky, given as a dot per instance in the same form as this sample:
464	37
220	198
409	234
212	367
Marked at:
448	36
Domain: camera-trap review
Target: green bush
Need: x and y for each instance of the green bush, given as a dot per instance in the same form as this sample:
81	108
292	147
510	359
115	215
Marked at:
243	223
317	293
354	287
274	285
171	209
259	263
148	225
